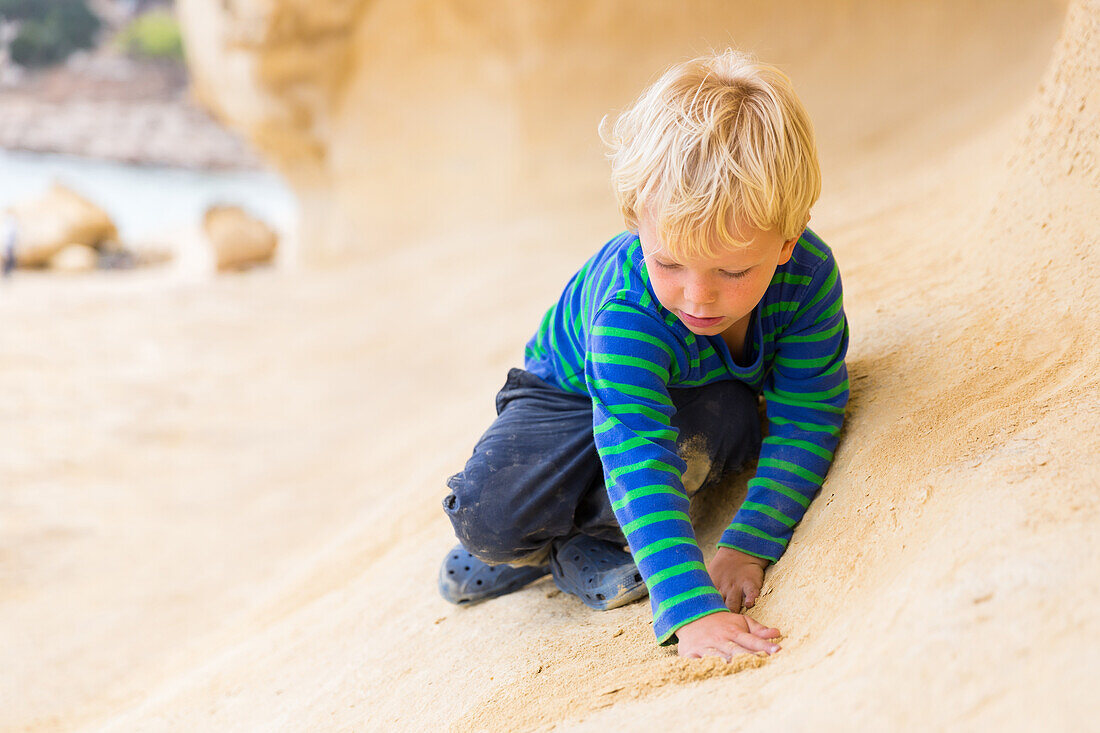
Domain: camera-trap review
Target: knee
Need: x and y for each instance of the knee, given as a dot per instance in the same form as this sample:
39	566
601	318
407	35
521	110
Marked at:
484	530
719	431
735	411
718	404
732	397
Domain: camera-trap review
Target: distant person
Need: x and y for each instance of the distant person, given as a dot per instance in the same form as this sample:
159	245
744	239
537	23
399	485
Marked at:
641	385
9	233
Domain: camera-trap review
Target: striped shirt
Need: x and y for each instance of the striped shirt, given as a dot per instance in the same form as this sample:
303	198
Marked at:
609	337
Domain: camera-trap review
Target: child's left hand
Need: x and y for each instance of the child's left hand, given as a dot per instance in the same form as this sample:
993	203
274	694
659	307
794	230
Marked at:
737	576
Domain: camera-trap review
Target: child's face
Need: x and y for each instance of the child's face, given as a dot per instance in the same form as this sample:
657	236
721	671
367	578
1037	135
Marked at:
711	295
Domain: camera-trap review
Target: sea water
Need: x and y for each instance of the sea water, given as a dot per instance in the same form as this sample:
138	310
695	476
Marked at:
145	201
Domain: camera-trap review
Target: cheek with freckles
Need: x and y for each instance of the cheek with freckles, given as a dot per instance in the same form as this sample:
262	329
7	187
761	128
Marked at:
666	289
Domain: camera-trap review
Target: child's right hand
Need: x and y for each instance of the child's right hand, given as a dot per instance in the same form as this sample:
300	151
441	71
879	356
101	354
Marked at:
725	635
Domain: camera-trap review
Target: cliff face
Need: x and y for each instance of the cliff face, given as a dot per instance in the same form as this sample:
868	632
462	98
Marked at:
272	69
960	191
395	119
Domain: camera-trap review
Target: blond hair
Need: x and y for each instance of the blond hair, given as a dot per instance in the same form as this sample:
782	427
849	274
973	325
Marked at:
716	141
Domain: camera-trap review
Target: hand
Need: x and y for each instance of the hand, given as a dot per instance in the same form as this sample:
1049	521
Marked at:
737	576
725	635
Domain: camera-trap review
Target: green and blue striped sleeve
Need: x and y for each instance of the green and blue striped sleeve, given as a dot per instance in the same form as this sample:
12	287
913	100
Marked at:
627	368
806	393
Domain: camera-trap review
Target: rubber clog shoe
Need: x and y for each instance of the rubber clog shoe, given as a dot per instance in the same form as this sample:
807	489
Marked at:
464	579
598	572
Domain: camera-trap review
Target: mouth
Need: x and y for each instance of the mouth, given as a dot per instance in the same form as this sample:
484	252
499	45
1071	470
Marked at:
699	322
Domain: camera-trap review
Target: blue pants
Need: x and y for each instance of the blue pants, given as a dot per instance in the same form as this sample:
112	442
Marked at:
535	476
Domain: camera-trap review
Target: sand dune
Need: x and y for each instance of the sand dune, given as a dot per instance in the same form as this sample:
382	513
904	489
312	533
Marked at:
221	501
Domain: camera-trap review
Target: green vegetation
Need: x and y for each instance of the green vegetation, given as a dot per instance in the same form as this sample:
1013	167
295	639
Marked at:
152	35
23	9
49	31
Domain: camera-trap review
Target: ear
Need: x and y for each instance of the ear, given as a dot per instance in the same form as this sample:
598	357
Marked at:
787	250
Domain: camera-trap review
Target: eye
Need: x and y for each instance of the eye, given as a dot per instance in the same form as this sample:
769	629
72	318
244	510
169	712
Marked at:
734	275
666	265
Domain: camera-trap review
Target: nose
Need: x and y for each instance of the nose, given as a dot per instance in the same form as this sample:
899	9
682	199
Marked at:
699	290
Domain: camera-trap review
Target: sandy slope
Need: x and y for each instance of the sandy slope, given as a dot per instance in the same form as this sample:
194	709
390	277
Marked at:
220	502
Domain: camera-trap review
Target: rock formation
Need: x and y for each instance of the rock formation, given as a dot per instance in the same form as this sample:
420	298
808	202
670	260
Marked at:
60	217
237	239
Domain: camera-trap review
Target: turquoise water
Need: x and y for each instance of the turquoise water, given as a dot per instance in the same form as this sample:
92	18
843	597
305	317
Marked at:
147	201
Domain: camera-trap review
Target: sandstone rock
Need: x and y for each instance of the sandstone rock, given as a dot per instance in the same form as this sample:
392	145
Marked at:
58	218
74	258
238	239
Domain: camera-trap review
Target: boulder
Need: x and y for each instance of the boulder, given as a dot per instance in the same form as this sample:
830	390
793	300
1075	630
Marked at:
238	240
74	258
58	218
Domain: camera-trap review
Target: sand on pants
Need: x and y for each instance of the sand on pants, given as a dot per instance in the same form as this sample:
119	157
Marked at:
221	500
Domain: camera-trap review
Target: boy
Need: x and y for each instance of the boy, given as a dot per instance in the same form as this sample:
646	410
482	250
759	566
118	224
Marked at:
640	386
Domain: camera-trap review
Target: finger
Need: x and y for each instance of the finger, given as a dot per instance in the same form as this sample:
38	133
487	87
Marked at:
754	643
713	651
733	599
760	630
752	591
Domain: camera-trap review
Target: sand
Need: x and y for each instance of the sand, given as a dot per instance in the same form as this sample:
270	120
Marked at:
220	507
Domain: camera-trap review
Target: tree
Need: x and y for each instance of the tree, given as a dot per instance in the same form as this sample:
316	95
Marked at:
49	31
